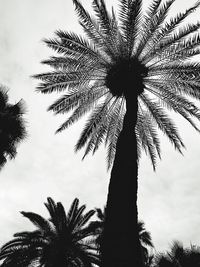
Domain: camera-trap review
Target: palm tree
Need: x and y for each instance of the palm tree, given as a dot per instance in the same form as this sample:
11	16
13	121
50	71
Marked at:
144	235
179	256
132	69
146	242
64	240
12	126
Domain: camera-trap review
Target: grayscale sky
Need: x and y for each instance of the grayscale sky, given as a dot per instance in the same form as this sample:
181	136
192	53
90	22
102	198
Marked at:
46	164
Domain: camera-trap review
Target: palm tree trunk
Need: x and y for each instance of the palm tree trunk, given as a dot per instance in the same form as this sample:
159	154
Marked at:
120	246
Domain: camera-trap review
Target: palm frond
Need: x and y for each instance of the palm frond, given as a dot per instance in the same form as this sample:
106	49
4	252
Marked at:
72	100
113	137
37	220
164	122
103	15
85	218
81	110
11	245
178	52
99	133
73	209
78	214
49	87
167	28
169	40
52	209
108	27
152	22
61	218
91	28
130	13
180	105
146	26
64	79
93	121
148	137
149	129
180	86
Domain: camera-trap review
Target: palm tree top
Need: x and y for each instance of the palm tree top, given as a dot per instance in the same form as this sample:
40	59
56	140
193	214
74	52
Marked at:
64	238
12	126
127	57
178	256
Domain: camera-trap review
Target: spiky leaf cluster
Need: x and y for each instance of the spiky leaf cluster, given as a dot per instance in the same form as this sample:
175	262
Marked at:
153	51
12	126
63	240
179	256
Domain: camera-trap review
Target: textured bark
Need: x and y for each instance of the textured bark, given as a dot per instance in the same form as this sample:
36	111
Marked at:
120	246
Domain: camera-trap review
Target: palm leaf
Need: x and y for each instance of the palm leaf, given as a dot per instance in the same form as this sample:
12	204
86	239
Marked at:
81	110
77	217
37	220
152	22
130	16
90	126
73	209
167	28
163	122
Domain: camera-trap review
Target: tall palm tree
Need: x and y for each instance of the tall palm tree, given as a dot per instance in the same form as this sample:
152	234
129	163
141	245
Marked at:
179	256
132	69
64	240
12	126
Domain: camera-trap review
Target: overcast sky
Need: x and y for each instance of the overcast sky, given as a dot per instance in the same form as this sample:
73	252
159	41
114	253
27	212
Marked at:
46	164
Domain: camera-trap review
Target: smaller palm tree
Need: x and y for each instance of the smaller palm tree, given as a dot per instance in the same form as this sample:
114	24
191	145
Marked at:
64	240
12	126
146	243
178	256
144	236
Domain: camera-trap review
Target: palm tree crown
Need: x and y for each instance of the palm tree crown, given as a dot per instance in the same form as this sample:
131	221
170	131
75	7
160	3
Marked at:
134	55
12	126
63	240
179	256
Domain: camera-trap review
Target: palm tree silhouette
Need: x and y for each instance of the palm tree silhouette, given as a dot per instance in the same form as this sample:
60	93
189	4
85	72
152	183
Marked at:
134	67
64	240
146	243
12	126
179	256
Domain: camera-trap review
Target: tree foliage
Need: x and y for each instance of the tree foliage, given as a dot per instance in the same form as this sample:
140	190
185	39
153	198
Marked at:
179	256
157	54
65	239
12	126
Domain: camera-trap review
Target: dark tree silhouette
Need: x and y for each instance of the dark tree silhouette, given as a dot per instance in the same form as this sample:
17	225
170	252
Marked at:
178	256
64	240
144	235
134	67
12	126
146	243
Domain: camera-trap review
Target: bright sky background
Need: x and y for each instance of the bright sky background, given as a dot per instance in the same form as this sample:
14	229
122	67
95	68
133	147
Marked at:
46	164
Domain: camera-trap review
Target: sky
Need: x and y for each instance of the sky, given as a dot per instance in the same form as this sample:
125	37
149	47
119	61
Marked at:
46	164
